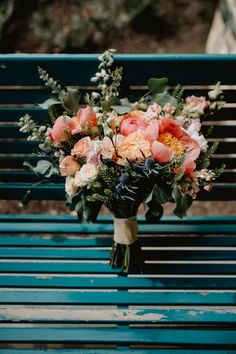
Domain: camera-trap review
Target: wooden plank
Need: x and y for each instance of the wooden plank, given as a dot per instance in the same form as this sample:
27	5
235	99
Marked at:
178	253
115	351
12	114
177	315
62	267
113	282
100	228
181	68
220	131
91	241
125	298
118	335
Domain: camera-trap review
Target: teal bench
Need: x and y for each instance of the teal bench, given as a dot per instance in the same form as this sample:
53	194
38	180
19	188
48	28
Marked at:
58	293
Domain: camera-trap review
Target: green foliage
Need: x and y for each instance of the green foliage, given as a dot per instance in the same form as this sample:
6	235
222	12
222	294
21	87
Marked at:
157	85
204	160
43	168
182	201
69	97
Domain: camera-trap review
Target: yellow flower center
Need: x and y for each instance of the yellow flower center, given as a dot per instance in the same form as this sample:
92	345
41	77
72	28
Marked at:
172	142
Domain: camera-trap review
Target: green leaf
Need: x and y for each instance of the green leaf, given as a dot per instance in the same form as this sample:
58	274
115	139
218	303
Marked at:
157	85
48	103
163	98
162	194
43	168
183	202
91	211
55	111
121	109
71	99
154	213
106	105
125	102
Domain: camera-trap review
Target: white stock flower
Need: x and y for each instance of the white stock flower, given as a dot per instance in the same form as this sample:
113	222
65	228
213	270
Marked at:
70	186
192	130
88	173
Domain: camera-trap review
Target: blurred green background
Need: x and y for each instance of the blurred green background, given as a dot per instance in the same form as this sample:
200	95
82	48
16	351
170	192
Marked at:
77	26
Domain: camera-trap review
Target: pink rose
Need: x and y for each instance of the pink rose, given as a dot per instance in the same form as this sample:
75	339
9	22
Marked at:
69	166
61	129
82	147
132	122
161	153
85	119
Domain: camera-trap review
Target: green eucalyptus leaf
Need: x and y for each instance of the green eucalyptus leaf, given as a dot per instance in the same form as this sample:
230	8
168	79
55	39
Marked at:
48	103
125	102
41	168
121	109
157	85
163	98
71	99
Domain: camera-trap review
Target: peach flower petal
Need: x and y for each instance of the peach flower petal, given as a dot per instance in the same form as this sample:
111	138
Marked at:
161	153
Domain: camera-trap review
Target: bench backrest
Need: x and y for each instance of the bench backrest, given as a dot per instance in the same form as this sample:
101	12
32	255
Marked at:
21	90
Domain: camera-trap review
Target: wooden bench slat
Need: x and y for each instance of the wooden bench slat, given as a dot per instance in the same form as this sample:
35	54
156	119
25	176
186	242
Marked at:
61	267
90	254
112	282
12	114
121	297
65	314
98	228
22	69
115	351
118	335
92	241
10	131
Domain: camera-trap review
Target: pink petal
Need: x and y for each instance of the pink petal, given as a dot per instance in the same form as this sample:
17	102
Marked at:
151	132
161	153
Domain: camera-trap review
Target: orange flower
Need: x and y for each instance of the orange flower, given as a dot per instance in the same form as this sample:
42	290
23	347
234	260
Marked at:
85	119
134	148
178	141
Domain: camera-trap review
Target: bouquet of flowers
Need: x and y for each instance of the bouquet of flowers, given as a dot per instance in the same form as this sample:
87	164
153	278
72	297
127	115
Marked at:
121	154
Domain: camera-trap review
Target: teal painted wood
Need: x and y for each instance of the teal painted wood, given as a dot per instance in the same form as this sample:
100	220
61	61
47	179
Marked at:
33	314
106	282
12	114
179	68
220	131
115	351
118	335
47	191
99	268
120	297
8	176
100	254
54	227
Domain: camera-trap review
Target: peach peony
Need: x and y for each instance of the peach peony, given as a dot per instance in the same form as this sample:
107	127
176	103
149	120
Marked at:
69	166
131	122
134	148
161	153
85	119
178	141
61	129
82	147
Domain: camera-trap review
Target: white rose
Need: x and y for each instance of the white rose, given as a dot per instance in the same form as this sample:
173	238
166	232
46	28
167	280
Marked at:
70	186
87	173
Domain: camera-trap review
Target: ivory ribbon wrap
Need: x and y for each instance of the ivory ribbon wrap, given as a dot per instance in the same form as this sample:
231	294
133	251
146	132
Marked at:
125	230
